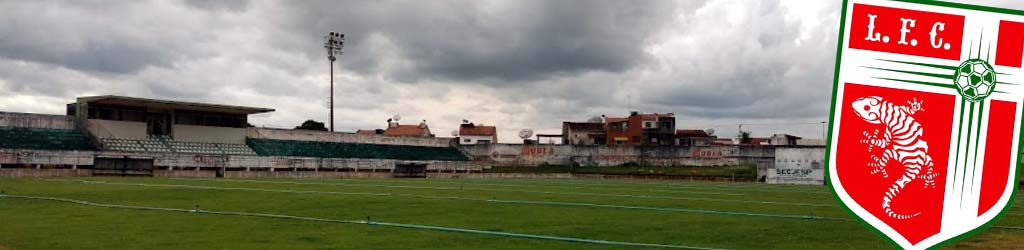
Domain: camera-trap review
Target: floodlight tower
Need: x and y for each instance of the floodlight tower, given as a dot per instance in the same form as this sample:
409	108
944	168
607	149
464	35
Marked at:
334	41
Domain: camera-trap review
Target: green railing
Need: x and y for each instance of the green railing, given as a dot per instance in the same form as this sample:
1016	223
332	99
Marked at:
272	147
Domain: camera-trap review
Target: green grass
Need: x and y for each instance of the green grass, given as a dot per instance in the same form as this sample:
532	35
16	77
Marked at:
741	171
590	209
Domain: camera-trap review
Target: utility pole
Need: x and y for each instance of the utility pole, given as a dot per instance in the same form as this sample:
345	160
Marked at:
334	42
824	131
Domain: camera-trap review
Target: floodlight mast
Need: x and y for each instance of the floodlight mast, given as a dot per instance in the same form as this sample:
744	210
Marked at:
334	41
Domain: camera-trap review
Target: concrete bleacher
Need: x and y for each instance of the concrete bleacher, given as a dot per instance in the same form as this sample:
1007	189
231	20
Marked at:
43	138
163	144
321	149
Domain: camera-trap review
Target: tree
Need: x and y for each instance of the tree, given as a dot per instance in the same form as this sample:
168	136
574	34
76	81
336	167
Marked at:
312	125
744	137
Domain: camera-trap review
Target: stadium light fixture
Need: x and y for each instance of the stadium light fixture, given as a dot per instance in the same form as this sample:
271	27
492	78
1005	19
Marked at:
334	41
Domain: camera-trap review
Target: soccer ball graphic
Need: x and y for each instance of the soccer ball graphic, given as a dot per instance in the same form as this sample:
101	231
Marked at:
975	79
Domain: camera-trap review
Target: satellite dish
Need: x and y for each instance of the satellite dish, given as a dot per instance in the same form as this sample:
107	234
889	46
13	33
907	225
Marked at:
455	133
710	131
396	117
525	133
596	119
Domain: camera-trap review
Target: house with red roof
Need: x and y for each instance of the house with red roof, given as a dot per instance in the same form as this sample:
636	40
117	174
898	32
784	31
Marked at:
470	133
395	129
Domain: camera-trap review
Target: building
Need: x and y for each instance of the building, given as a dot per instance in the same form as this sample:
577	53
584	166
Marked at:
118	135
725	141
784	140
759	141
694	138
470	133
123	117
810	142
584	133
395	129
642	129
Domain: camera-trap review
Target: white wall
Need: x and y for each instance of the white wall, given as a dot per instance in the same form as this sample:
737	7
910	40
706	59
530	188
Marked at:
474	139
798	165
209	134
810	142
46	157
117	129
307	135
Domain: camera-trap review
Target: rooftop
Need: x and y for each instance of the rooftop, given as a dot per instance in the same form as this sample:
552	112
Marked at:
407	130
656	115
585	126
615	119
691	133
470	129
169	104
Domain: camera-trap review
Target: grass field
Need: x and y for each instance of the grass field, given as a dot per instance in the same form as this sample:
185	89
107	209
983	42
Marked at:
748	172
436	214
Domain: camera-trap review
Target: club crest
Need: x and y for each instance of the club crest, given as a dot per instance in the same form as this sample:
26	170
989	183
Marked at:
924	142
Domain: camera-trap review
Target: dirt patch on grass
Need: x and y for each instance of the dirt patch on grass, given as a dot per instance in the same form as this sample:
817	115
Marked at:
4	248
992	239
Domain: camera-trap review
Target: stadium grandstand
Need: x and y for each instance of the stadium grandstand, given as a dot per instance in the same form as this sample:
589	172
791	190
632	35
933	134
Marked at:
138	136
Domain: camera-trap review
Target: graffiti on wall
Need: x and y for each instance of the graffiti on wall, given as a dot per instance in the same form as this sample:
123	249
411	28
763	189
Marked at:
533	151
706	153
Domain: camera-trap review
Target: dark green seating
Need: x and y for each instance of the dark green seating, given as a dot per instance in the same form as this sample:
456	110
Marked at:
272	147
43	138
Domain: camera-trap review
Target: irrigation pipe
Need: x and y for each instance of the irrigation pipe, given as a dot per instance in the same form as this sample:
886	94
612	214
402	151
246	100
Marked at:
363	222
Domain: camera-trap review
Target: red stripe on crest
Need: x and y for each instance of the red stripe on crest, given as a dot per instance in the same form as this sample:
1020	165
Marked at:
1010	47
999	141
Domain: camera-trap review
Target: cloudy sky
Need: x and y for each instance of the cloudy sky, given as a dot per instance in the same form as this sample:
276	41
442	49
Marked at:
518	64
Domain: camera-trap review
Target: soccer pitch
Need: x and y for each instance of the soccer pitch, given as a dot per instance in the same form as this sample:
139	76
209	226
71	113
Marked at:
162	213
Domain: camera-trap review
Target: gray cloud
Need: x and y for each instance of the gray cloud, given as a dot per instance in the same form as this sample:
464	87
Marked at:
488	42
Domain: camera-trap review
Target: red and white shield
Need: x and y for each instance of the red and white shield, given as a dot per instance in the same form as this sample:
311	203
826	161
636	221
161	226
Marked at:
926	117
